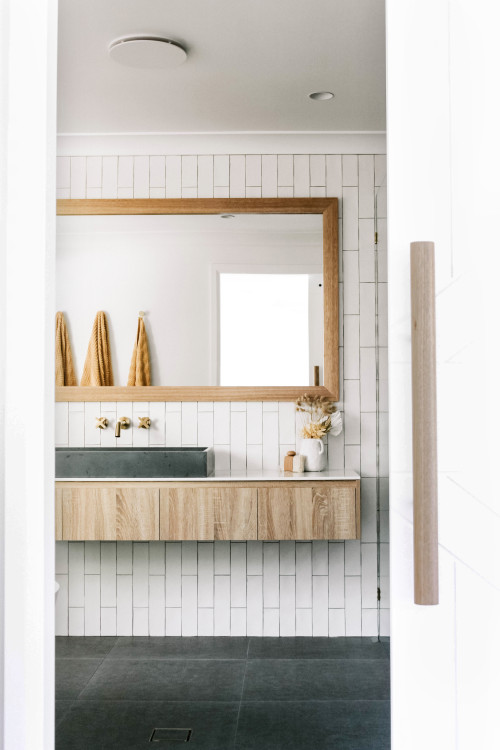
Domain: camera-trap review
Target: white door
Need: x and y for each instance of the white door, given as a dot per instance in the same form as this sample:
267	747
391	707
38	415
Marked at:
444	185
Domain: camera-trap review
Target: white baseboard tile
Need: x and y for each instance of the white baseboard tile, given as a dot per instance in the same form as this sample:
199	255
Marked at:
157	605
189	605
369	622
206	621
238	621
287	605
271	623
76	621
108	621
353	605
320	605
140	624
336	623
173	621
254	608
304	622
61	617
222	605
123	605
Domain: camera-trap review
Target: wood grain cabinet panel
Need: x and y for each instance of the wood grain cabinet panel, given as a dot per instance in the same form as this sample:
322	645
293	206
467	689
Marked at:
314	512
188	511
214	513
107	514
137	514
88	514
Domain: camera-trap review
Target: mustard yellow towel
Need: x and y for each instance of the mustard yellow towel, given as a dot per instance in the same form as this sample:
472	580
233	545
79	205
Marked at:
97	369
139	373
65	373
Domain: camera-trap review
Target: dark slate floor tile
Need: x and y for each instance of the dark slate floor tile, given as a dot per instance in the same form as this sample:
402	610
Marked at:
338	725
90	647
128	726
72	675
175	680
316	648
62	708
179	648
301	680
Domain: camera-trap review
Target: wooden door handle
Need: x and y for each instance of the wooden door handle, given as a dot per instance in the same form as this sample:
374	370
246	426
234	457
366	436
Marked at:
425	495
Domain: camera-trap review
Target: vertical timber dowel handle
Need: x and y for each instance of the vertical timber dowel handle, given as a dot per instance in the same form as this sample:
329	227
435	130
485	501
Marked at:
423	351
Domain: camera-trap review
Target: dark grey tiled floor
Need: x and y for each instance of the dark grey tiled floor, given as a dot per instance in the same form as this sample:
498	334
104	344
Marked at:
234	693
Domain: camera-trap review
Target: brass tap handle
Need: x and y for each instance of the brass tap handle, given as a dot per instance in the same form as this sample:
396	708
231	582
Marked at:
102	423
145	423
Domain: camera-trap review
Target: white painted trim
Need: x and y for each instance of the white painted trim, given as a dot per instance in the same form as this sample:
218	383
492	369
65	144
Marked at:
26	395
114	144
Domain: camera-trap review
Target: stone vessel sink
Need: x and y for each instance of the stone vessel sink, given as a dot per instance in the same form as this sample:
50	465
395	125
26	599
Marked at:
134	463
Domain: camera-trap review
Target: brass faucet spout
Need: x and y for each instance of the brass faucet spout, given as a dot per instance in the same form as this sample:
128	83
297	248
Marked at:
122	423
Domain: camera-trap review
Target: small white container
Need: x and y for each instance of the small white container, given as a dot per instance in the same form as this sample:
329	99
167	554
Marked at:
313	451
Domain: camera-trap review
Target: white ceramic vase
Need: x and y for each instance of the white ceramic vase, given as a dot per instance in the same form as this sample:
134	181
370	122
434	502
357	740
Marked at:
314	452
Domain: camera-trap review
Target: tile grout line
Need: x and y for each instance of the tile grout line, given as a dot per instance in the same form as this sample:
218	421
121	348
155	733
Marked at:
241	697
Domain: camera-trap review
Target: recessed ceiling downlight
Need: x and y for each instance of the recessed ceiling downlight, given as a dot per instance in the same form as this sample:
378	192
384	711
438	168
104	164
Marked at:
147	52
321	96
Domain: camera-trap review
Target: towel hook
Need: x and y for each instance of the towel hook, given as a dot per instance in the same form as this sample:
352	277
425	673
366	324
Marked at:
141	313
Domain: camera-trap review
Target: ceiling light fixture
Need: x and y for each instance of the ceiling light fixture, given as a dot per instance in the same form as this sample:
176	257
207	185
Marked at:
147	52
321	96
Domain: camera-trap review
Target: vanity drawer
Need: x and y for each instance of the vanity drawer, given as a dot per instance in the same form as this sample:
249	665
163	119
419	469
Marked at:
102	513
312	512
208	514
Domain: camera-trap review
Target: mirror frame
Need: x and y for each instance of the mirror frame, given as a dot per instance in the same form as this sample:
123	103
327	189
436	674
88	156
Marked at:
328	207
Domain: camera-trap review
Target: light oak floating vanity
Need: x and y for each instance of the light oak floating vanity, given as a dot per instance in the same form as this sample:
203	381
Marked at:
269	506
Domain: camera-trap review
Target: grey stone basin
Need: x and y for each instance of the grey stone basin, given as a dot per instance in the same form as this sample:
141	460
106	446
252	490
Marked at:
134	463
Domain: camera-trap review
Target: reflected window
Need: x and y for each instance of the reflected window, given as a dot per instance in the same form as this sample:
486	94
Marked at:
264	321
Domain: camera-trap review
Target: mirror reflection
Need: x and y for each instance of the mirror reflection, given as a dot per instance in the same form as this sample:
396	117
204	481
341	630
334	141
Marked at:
228	301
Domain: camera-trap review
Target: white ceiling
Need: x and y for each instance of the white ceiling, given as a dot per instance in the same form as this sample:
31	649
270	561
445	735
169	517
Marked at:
250	67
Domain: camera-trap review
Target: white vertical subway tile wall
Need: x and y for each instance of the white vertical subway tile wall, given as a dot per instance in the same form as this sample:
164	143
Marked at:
246	588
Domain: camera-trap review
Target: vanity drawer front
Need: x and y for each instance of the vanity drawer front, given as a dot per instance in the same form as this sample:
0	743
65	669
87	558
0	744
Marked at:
137	514
217	513
314	512
108	514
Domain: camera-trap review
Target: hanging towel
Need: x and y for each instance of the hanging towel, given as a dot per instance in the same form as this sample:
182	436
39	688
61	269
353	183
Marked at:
139	373
97	369
65	373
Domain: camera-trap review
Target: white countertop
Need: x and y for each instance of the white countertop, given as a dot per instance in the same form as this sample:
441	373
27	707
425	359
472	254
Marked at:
236	476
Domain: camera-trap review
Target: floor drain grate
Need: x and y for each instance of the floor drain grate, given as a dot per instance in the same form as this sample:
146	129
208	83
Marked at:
162	734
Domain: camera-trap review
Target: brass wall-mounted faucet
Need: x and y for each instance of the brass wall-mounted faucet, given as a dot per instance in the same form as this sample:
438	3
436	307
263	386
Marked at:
122	422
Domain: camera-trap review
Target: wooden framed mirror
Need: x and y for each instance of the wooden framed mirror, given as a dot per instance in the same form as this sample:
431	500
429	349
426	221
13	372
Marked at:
326	207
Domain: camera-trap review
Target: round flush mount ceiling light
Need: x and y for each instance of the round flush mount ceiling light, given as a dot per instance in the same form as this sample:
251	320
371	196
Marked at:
147	52
321	96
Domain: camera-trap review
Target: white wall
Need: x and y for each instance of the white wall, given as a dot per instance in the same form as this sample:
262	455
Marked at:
443	166
326	589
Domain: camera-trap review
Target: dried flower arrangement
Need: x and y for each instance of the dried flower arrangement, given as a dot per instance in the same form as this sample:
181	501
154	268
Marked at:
323	416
